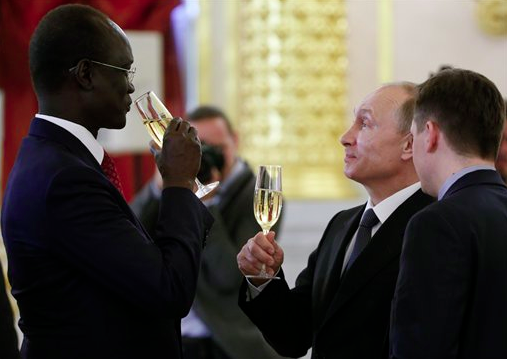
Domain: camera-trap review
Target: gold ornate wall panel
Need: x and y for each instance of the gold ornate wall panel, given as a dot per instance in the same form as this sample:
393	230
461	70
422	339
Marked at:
285	73
492	16
292	94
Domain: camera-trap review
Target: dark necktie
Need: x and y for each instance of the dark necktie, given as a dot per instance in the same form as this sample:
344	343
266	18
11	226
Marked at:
363	234
110	171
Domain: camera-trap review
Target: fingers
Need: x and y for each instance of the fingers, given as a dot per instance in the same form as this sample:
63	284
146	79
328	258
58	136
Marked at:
174	124
192	132
184	127
259	251
247	264
177	124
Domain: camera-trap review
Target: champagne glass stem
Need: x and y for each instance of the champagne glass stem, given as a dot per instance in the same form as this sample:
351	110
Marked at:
263	273
203	190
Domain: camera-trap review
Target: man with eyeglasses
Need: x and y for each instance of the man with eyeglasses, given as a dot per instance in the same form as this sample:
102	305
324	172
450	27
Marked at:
88	279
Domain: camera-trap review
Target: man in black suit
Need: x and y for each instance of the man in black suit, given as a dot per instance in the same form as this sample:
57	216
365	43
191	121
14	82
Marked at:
216	327
451	294
88	279
501	160
340	304
8	336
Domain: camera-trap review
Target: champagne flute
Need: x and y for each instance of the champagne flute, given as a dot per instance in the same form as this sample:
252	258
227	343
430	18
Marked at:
156	117
267	203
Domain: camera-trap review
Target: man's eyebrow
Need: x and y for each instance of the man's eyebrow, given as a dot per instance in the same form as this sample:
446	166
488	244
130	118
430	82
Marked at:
363	111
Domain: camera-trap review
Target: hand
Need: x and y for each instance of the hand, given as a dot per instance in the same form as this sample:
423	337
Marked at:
257	251
179	159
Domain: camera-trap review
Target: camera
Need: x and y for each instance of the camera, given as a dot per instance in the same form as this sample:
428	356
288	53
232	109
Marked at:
212	157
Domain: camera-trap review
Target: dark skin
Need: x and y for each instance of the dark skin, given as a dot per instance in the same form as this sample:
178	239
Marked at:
96	96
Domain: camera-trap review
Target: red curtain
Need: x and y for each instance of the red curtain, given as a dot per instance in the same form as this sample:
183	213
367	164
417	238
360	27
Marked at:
18	20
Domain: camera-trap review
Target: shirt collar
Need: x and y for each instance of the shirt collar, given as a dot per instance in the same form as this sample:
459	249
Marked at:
80	132
457	175
385	208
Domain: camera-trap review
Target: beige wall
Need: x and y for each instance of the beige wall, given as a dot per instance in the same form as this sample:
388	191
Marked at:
425	35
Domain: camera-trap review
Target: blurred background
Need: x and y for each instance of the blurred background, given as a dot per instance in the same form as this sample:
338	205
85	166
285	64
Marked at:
287	72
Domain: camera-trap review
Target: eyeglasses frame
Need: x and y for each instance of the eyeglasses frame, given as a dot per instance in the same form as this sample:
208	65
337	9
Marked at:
130	72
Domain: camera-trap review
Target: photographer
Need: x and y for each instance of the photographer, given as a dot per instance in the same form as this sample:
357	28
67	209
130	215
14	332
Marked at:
212	164
216	327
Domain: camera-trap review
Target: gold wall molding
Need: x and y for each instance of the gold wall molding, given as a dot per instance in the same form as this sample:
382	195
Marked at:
492	16
292	92
286	88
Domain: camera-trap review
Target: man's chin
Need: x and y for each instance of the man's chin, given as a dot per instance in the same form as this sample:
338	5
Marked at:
117	126
351	176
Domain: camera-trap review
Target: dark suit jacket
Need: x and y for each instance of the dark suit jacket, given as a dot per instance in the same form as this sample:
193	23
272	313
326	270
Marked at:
90	283
347	318
219	279
451	295
8	336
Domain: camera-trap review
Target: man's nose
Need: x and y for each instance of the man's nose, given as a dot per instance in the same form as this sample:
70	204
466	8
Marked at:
348	138
131	88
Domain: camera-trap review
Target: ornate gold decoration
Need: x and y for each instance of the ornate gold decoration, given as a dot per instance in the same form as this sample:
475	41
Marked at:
492	16
291	97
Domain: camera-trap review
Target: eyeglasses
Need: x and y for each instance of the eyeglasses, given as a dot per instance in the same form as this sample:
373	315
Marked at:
130	73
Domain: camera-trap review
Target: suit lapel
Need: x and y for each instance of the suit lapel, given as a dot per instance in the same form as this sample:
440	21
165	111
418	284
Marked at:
331	254
384	247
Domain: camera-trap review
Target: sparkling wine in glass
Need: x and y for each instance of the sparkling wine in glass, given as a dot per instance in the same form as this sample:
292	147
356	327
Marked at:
156	118
267	202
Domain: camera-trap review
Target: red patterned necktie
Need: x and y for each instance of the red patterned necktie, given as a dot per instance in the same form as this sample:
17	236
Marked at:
110	171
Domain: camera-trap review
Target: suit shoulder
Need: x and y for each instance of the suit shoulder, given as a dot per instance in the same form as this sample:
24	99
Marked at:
341	218
347	213
471	207
417	201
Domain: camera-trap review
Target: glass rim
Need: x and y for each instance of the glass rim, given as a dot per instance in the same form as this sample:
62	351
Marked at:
146	94
275	166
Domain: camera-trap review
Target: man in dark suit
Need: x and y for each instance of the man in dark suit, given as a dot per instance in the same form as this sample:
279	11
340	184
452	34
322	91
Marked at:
340	304
501	160
216	327
8	336
89	281
451	294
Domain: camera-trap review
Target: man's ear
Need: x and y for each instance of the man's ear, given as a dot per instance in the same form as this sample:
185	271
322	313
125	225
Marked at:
83	74
432	136
406	151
